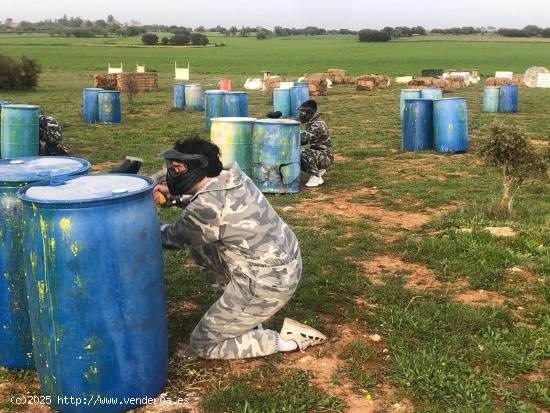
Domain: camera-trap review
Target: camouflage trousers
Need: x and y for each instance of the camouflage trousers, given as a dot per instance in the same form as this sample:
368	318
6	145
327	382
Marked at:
312	160
227	329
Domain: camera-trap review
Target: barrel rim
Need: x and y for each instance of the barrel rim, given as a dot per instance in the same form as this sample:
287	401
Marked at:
233	119
94	88
21	193
215	91
411	90
20	106
85	166
109	91
454	98
278	121
236	92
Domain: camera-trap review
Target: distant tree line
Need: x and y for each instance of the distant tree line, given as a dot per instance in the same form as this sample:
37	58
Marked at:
182	37
388	33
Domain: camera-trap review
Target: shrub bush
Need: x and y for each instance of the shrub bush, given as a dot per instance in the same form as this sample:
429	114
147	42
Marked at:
165	41
179	39
199	39
16	75
368	35
149	38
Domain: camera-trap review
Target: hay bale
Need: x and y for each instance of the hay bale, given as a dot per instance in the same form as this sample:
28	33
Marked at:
106	81
498	81
440	83
271	83
315	76
382	81
350	80
363	84
518	80
455	82
428	81
416	84
145	82
318	87
530	76
337	76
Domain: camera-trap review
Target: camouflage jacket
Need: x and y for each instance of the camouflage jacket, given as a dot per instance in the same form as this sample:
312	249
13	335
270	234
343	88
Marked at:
316	134
233	220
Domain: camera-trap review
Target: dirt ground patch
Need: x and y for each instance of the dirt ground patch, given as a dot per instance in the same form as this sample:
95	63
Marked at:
102	166
417	277
341	204
183	307
480	298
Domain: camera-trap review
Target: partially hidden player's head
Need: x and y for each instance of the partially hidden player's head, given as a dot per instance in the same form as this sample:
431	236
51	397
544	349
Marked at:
307	110
190	162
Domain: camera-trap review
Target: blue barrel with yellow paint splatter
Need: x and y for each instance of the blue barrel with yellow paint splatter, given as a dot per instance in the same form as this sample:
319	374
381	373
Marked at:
179	96
90	107
431	93
108	102
281	101
193	97
234	138
276	155
15	329
450	125
418	131
235	104
508	102
19	131
298	95
213	106
491	98
96	290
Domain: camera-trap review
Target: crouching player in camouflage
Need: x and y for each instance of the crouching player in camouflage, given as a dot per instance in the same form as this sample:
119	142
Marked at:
317	158
50	136
240	244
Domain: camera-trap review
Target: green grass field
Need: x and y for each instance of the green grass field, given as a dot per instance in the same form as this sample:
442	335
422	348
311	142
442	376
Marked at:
423	306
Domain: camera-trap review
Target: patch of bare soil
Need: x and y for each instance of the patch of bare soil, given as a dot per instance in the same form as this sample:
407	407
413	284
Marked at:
325	364
341	204
540	142
104	166
480	298
341	158
418	277
183	307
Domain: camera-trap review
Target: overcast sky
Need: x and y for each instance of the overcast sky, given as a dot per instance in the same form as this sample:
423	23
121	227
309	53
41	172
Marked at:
331	14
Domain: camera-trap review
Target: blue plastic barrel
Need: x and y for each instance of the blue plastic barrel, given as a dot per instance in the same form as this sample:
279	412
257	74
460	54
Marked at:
19	131
276	155
418	131
431	93
281	101
15	329
213	106
491	99
235	104
179	96
234	138
298	95
96	290
407	94
109	106
450	125
90	107
508	102
193	98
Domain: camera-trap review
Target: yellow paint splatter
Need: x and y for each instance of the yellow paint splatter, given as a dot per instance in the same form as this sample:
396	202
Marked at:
52	244
93	369
65	225
42	225
75	247
78	281
41	288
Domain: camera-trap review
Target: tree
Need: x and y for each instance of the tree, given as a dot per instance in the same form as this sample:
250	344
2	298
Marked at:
200	29
508	148
233	30
165	41
180	39
532	30
149	38
368	35
131	87
545	32
261	35
100	23
199	39
16	75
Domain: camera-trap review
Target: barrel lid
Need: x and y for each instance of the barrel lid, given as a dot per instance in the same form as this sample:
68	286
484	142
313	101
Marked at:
236	93
411	90
278	121
88	188
40	167
93	88
108	91
19	106
455	98
192	84
233	119
216	91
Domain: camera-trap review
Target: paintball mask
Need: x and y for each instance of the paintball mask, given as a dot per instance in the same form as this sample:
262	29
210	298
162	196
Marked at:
307	110
180	183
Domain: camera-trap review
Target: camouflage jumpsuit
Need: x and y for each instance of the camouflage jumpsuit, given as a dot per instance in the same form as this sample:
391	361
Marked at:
239	241
319	155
